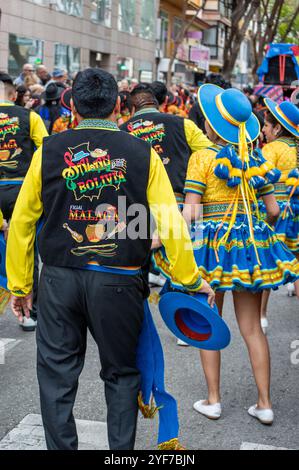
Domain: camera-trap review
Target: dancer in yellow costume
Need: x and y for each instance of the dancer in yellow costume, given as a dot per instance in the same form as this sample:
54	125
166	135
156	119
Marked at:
234	248
281	130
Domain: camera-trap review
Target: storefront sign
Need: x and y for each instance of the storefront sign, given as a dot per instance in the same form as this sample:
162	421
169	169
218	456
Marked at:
201	56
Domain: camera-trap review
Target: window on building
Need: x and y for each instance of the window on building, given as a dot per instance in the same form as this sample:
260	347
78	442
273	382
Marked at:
101	11
71	7
225	8
148	19
67	58
164	32
211	40
23	50
127	15
177	26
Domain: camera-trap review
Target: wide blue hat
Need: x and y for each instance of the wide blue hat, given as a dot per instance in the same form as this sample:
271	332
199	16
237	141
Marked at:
286	113
226	110
191	319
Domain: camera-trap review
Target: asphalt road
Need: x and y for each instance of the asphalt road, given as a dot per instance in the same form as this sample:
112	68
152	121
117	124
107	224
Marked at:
184	379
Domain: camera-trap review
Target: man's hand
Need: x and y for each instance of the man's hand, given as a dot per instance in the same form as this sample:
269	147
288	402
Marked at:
21	305
207	289
4	228
156	242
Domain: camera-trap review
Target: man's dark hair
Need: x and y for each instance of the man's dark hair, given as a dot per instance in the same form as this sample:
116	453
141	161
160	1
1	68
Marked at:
143	95
215	79
9	88
159	90
5	78
94	93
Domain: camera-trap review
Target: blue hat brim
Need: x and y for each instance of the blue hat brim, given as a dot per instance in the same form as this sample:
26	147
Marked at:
198	317
207	101
271	105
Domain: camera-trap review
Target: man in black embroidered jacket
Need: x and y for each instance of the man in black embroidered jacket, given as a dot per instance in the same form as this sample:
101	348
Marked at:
79	180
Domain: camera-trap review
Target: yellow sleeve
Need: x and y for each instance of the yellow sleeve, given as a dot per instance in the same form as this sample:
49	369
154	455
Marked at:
196	178
269	151
1	219
37	129
22	230
171	226
195	137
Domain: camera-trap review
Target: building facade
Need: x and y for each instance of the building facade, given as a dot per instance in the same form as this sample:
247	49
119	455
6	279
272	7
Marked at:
217	14
116	35
192	57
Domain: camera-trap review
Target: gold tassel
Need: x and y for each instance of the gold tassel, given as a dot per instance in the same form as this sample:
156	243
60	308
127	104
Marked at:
4	299
148	411
173	444
154	298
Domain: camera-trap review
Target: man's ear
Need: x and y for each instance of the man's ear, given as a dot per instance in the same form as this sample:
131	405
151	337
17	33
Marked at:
74	111
133	111
116	110
14	95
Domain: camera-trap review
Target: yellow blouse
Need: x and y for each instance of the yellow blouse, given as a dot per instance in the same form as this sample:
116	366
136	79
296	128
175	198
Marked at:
202	180
283	154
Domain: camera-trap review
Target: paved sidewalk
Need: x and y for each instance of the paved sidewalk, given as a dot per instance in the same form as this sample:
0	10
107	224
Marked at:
29	435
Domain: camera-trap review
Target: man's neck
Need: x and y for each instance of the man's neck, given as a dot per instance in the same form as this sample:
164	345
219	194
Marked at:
147	106
111	118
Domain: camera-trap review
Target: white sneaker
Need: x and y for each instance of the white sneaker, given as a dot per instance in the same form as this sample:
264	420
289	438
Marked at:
264	415
156	280
181	343
210	411
264	324
291	289
28	324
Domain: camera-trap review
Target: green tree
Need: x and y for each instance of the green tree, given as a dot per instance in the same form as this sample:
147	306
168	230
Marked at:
288	29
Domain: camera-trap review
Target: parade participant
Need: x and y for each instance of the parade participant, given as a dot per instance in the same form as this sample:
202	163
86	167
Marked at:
51	109
172	137
80	179
235	249
195	113
21	130
160	92
66	120
282	150
125	108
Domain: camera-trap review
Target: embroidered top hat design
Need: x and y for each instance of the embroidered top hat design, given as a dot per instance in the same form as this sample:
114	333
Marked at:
52	92
79	152
227	111
286	113
191	319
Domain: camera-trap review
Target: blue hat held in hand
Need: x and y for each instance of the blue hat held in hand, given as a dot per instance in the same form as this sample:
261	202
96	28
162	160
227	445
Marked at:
191	319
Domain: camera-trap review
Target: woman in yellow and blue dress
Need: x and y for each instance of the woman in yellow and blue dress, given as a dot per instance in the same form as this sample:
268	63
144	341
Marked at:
234	248
281	131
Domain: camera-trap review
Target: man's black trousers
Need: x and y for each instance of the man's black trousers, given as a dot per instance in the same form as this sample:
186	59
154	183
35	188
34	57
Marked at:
70	301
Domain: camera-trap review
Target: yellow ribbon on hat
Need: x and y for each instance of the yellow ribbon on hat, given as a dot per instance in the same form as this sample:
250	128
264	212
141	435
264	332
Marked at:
246	190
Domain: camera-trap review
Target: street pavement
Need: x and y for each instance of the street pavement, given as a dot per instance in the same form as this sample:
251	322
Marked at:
20	424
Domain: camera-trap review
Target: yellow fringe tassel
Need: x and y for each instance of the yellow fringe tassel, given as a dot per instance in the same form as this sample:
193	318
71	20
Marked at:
247	194
154	298
148	411
173	444
4	299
